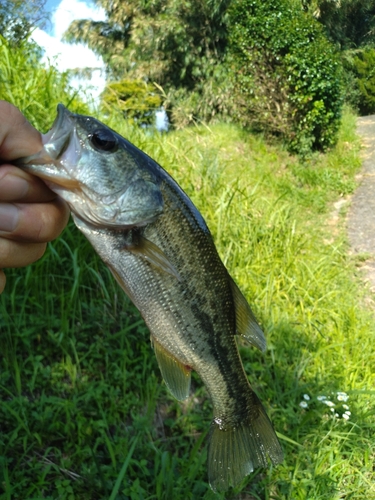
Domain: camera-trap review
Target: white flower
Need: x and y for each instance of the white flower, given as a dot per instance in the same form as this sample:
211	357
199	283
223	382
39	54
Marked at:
342	396
303	404
346	416
306	397
328	403
346	407
321	398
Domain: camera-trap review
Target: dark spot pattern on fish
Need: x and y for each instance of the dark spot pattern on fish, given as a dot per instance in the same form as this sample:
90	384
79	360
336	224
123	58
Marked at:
160	250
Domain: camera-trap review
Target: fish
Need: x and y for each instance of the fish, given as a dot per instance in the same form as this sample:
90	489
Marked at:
159	249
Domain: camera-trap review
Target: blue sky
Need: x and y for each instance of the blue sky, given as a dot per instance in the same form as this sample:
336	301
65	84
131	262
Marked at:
51	6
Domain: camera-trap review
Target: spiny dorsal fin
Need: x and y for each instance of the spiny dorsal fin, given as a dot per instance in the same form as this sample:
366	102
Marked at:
246	323
176	375
153	254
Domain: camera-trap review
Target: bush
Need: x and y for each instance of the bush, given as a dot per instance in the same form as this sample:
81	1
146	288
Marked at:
136	99
286	74
360	79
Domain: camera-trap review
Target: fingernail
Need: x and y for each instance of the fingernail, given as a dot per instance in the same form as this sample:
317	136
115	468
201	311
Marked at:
13	187
9	215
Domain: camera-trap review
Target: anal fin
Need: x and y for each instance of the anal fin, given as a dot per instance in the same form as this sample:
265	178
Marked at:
176	375
246	323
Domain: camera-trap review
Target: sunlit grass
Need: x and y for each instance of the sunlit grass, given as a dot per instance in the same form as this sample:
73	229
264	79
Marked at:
83	412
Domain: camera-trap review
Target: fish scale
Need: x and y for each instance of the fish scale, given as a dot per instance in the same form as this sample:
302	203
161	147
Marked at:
159	248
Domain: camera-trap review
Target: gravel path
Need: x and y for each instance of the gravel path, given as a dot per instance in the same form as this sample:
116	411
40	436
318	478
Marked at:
361	216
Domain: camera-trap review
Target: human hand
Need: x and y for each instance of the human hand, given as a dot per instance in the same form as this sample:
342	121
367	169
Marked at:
30	213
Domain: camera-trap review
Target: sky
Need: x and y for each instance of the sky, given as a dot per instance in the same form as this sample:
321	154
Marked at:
67	56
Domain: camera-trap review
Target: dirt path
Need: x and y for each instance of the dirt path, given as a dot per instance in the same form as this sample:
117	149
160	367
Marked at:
361	217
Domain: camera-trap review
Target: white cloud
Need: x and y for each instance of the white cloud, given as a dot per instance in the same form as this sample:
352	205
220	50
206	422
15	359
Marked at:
70	56
70	10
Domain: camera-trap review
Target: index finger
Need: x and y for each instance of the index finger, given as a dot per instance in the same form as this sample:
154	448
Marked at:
17	185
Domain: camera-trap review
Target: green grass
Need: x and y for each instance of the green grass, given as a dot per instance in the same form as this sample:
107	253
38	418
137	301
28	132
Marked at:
84	414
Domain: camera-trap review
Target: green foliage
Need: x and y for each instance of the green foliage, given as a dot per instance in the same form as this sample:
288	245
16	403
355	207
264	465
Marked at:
349	24
135	99
31	86
18	18
176	44
84	413
360	79
286	75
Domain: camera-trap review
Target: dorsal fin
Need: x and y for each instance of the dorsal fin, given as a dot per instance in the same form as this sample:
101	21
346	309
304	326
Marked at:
176	375
246	324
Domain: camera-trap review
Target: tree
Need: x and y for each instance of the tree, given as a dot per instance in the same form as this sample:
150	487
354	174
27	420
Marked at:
19	17
177	44
348	23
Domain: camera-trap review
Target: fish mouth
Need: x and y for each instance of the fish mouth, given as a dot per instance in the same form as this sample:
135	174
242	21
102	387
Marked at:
48	162
57	139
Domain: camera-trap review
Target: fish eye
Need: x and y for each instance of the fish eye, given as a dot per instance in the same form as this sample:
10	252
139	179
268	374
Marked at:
104	140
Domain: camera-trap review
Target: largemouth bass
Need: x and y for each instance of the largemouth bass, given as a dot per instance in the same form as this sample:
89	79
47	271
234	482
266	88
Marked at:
160	250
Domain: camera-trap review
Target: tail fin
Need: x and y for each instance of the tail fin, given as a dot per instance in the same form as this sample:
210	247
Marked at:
234	452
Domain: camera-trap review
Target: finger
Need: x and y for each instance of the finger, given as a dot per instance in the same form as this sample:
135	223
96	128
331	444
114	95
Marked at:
17	185
2	280
19	254
33	222
17	136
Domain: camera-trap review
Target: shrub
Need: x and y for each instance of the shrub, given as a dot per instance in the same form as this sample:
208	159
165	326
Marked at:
286	74
136	99
360	79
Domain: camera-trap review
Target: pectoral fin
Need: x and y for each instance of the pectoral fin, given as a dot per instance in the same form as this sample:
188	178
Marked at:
153	254
176	375
246	323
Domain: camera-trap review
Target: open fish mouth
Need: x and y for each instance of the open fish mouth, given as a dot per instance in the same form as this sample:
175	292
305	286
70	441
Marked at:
59	143
57	139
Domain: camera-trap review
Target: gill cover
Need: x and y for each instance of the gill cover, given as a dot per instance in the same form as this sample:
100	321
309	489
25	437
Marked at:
106	180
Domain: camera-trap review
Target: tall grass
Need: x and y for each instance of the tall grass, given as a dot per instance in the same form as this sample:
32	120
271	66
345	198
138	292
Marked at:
83	412
33	87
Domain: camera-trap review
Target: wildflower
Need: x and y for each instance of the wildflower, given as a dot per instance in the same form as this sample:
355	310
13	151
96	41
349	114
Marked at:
303	404
346	407
306	397
342	396
346	415
328	403
321	398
